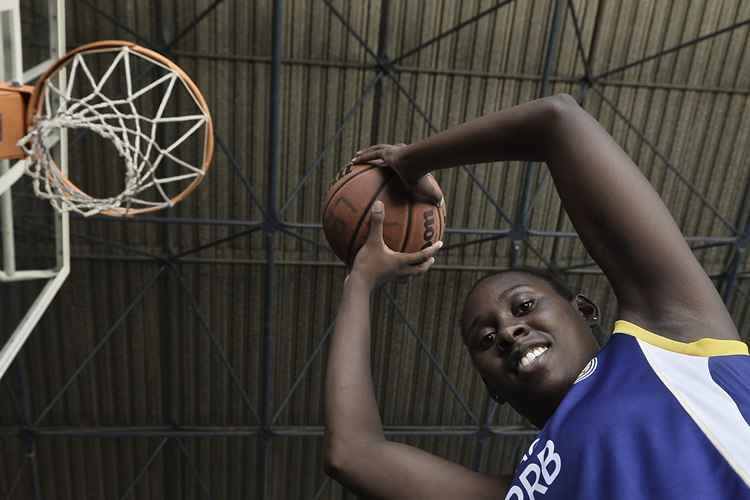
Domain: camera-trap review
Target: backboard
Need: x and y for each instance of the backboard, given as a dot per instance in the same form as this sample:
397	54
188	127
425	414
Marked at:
32	37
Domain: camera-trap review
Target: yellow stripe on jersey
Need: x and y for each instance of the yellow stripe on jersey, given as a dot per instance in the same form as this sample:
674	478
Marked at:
702	347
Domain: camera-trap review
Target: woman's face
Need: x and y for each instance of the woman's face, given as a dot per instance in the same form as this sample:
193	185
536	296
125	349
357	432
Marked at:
527	342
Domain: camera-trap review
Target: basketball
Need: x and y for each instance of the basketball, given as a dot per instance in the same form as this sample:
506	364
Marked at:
409	225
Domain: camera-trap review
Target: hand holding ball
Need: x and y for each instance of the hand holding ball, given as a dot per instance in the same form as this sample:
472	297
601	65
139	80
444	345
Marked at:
409	225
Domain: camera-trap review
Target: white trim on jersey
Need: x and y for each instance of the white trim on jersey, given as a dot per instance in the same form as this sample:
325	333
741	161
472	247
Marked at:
688	378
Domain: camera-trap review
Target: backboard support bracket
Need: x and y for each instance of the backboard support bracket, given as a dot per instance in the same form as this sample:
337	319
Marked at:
13	70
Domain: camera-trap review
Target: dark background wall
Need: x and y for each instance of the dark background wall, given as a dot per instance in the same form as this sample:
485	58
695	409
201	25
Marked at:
184	356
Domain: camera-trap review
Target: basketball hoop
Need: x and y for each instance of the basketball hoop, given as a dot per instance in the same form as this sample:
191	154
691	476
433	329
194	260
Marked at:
117	106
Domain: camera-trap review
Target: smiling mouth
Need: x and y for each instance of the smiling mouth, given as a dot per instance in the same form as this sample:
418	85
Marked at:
531	357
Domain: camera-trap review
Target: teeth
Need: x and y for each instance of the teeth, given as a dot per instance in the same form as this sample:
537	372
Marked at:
531	355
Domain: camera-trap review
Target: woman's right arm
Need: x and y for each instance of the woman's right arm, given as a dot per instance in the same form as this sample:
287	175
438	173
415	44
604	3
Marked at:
357	454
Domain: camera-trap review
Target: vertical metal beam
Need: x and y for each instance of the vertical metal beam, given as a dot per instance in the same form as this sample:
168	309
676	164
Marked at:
28	438
595	35
6	225
729	283
521	224
484	434
585	85
270	226
413	103
163	27
382	57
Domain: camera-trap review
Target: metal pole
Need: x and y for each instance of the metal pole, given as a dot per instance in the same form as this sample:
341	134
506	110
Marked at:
521	224
729	283
28	437
448	230
11	32
385	8
6	221
108	432
141	219
29	321
484	434
271	224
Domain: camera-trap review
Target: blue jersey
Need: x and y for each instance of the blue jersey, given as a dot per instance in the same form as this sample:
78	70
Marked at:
648	418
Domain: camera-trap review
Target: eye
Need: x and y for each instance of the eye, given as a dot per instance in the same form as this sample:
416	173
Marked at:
487	340
524	307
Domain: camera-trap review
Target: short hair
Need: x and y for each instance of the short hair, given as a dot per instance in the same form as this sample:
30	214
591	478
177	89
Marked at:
551	279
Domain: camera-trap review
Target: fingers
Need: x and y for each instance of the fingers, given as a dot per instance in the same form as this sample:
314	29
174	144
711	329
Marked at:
427	189
424	188
370	149
424	255
420	268
377	214
369	157
418	262
373	154
378	162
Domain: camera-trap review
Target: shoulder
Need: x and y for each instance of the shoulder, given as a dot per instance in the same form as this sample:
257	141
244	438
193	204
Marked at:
681	323
707	345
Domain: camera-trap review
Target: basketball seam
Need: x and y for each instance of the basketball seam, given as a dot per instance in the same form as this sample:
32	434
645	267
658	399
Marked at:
408	224
365	213
330	198
441	218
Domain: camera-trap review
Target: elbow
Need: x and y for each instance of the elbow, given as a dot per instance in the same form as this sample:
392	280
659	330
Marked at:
342	457
559	112
560	106
334	457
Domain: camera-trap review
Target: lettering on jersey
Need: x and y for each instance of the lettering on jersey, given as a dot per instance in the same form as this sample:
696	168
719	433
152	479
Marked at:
538	474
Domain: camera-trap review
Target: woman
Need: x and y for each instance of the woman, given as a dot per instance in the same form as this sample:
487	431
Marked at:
661	411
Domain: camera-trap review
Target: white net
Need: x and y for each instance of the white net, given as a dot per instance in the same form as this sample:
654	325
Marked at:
121	108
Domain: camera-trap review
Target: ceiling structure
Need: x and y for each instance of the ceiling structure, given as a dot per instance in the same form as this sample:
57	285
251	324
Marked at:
184	357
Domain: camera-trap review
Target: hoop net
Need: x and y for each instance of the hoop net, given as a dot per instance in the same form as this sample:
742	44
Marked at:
118	107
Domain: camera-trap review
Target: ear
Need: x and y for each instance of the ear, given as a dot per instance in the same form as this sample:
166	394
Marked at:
494	395
588	309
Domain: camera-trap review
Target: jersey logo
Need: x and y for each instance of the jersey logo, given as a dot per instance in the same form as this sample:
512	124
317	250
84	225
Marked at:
537	475
587	371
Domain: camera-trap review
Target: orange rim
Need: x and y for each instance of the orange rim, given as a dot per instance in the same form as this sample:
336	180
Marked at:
107	46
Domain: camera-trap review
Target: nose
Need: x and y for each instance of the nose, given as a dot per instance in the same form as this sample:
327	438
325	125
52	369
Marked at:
509	335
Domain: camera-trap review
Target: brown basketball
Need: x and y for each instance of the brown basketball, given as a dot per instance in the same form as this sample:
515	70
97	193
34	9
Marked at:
409	224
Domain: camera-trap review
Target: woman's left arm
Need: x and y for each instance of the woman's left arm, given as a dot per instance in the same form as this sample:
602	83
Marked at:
620	218
630	233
